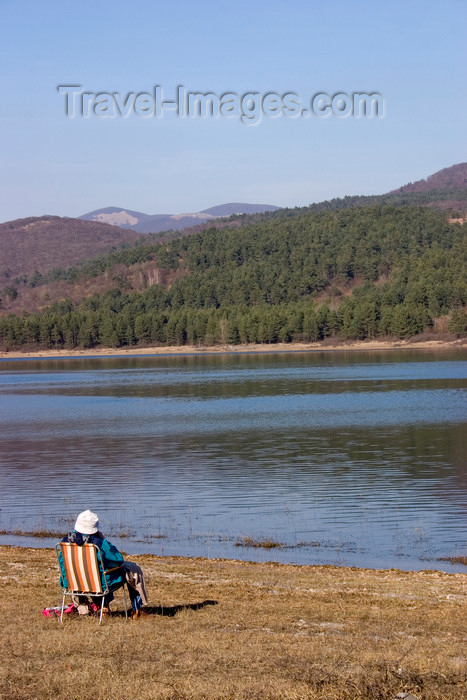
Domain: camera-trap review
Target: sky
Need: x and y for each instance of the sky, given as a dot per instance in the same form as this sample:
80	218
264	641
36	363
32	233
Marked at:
413	54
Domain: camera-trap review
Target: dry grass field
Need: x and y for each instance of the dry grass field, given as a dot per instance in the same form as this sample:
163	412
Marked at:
276	631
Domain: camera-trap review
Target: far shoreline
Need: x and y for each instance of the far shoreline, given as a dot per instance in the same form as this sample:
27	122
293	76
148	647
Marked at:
323	346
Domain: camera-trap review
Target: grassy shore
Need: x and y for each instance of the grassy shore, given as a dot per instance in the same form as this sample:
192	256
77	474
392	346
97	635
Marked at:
325	346
275	631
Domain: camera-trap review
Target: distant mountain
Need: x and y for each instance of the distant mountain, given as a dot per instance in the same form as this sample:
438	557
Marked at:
125	218
45	242
155	223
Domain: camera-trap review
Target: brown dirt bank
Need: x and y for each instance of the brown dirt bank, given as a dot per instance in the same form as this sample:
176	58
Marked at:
326	346
277	631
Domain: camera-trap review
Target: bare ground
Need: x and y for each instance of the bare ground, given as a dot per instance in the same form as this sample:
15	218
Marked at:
229	629
324	346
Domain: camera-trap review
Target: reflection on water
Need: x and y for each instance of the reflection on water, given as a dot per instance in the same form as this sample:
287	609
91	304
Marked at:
355	459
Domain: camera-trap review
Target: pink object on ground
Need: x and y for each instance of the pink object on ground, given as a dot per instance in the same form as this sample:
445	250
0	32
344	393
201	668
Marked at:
55	611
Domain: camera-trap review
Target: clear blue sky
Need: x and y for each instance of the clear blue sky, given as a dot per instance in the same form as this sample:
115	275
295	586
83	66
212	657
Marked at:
413	53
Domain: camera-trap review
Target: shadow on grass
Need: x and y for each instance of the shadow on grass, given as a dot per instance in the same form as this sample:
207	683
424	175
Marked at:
170	611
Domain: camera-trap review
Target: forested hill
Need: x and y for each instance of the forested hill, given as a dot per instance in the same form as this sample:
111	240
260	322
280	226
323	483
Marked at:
446	189
455	176
449	198
354	273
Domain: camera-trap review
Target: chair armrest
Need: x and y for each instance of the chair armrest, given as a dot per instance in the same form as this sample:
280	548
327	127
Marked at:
115	568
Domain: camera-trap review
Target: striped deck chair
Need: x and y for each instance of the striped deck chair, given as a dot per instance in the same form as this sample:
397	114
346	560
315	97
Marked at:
83	573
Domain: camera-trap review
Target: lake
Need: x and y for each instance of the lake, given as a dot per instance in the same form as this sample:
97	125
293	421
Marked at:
348	458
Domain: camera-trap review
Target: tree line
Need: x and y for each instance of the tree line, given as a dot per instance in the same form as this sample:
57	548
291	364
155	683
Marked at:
87	328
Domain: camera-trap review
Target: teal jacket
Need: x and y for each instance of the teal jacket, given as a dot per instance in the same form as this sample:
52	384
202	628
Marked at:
110	556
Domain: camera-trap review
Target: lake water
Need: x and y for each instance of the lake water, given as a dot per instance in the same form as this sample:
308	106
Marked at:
348	458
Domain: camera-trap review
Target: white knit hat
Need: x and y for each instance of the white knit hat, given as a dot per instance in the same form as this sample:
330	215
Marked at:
87	523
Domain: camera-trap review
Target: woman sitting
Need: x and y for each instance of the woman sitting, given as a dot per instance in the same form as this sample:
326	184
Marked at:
87	531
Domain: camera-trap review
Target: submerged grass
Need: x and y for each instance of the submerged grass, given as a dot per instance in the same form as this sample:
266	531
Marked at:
277	631
455	560
44	534
256	544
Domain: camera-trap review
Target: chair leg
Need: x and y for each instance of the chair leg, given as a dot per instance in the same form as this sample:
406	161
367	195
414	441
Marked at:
63	605
124	603
102	609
